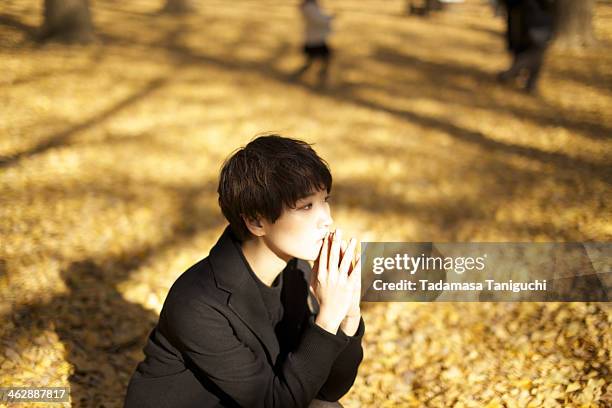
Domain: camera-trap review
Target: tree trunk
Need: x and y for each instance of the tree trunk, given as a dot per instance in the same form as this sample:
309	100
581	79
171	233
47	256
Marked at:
67	20
574	23
178	6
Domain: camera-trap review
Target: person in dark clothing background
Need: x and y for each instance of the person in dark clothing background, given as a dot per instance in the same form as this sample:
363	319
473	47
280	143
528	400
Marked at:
254	324
528	34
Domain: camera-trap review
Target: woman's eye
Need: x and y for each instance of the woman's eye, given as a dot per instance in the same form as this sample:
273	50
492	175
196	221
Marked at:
307	207
327	199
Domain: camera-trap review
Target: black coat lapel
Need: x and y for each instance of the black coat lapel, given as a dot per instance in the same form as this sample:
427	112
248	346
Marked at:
231	274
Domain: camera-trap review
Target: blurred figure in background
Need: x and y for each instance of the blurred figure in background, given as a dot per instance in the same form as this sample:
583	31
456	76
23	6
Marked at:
317	27
529	30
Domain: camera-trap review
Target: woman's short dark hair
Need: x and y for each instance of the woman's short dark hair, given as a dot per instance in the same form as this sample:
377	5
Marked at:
265	177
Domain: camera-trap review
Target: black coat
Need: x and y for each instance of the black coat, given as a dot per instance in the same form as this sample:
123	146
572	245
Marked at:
215	346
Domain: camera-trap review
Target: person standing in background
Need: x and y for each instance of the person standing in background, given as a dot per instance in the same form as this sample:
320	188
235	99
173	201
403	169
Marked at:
528	34
317	27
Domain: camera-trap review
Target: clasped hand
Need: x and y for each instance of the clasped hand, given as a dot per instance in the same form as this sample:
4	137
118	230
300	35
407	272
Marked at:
336	278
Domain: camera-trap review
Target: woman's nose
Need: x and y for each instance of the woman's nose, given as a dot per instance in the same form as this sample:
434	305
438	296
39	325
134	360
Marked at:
326	219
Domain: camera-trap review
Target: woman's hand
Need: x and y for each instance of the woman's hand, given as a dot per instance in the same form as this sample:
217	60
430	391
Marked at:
336	282
355	308
350	323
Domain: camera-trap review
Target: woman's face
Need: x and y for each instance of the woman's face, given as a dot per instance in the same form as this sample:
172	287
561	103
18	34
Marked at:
299	232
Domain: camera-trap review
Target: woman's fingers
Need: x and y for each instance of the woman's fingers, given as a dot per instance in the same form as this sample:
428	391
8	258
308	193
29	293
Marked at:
322	261
343	248
347	260
334	255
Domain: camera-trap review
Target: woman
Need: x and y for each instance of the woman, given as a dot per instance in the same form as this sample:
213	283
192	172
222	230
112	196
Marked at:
252	325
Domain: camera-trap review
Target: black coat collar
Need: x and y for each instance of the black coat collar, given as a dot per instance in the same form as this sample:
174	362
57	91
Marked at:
229	267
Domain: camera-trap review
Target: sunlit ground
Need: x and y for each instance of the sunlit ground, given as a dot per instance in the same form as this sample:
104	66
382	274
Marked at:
110	155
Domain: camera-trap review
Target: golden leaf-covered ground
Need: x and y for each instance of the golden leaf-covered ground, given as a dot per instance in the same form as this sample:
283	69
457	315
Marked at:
110	154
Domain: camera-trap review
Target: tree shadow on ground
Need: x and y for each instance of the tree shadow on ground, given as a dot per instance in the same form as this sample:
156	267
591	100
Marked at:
433	72
61	138
8	20
42	75
100	330
484	188
498	34
103	333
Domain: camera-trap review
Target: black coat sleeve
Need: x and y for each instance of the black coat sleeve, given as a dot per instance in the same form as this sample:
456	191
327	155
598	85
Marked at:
205	337
344	370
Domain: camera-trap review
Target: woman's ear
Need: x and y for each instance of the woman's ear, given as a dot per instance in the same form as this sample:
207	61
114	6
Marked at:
254	225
